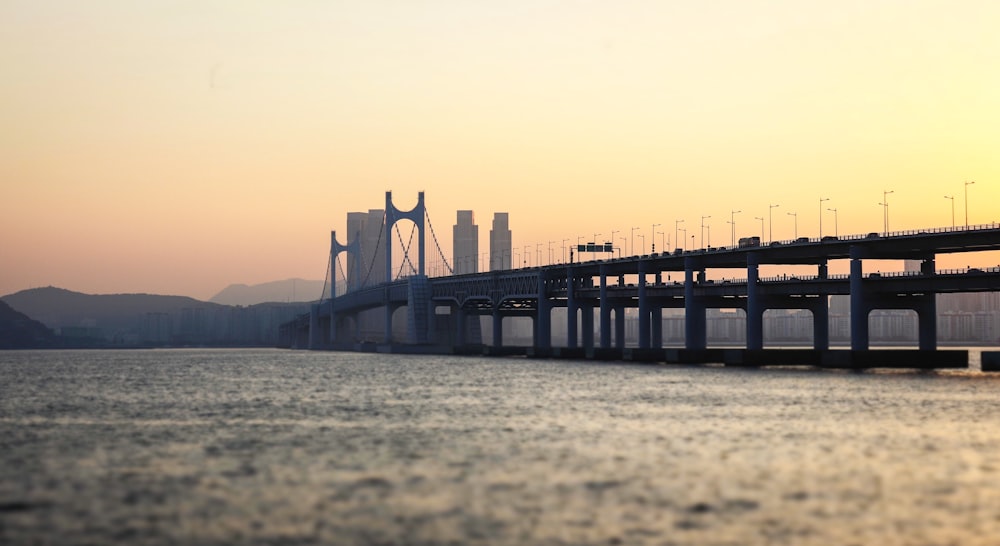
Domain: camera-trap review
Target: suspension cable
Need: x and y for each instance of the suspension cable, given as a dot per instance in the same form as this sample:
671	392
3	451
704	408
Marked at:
406	251
381	229
326	277
340	266
438	245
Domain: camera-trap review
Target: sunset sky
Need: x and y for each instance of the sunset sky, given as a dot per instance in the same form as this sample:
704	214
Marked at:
178	147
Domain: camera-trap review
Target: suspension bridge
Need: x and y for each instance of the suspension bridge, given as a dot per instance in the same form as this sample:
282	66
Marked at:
442	314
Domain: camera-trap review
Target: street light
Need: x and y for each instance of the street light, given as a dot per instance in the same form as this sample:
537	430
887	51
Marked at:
967	184
684	244
770	222
732	220
761	218
885	211
613	237
702	232
836	231
795	215
676	229
564	241
663	241
821	199
952	198
643	239
652	238
624	242
633	241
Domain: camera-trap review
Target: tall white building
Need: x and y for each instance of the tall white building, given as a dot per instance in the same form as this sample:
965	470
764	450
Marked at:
500	242
465	244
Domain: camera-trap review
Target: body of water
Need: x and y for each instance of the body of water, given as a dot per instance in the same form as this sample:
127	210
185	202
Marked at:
284	447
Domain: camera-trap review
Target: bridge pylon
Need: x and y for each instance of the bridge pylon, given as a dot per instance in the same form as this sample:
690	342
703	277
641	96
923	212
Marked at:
393	215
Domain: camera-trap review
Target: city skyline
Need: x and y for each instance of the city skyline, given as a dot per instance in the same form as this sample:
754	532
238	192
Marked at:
179	151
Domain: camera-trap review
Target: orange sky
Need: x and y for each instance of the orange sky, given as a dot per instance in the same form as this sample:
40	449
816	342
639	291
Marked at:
176	148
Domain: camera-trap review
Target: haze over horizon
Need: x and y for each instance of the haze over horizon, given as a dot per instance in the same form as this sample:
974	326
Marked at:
180	148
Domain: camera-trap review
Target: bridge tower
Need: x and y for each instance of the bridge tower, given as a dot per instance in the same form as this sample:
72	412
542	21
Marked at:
419	296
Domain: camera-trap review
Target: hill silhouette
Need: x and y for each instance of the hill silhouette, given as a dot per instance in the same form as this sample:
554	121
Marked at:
151	320
19	331
288	290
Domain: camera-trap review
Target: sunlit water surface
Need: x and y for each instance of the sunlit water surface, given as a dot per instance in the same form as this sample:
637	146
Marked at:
279	447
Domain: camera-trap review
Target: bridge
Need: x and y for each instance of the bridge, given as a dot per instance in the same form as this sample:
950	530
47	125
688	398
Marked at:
599	287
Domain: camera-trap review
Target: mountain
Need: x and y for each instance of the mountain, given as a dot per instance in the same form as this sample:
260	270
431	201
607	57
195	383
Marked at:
145	320
288	290
18	331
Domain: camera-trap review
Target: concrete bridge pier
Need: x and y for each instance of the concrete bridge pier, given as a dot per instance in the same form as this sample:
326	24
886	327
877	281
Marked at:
497	326
543	317
620	326
605	310
313	327
821	323
859	305
755	305
572	309
587	325
695	330
927	322
644	312
333	323
656	317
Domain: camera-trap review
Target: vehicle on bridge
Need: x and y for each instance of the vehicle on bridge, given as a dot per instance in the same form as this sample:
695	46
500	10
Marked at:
749	242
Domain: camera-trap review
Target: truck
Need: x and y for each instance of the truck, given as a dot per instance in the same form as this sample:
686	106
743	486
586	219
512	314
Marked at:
749	242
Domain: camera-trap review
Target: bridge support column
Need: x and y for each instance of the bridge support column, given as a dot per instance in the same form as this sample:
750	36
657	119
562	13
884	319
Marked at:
460	326
333	324
755	304
695	336
314	336
821	323
497	328
657	325
571	309
643	308
619	326
605	310
543	320
388	318
927	322
587	325
859	308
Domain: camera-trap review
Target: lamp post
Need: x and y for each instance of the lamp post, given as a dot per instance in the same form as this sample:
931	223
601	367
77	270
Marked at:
952	199
770	221
526	256
761	218
564	241
624	242
633	241
821	199
836	231
676	229
795	216
885	212
967	184
596	235
702	232
684	244
732	220
643	239
663	241
550	252
613	237
652	238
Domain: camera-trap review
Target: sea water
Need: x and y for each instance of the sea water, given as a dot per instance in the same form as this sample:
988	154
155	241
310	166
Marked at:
285	447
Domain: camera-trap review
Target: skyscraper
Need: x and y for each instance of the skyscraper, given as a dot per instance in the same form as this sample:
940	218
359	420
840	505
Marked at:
465	243
369	227
500	242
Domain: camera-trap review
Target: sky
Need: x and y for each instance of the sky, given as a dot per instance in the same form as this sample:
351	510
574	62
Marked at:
179	147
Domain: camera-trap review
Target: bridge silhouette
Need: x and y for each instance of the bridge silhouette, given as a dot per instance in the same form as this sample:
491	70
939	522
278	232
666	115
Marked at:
599	287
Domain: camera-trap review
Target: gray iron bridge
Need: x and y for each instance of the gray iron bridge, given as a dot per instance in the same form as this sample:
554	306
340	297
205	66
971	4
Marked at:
600	285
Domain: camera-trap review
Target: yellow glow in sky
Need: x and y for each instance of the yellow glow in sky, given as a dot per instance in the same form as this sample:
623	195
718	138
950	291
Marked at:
176	148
